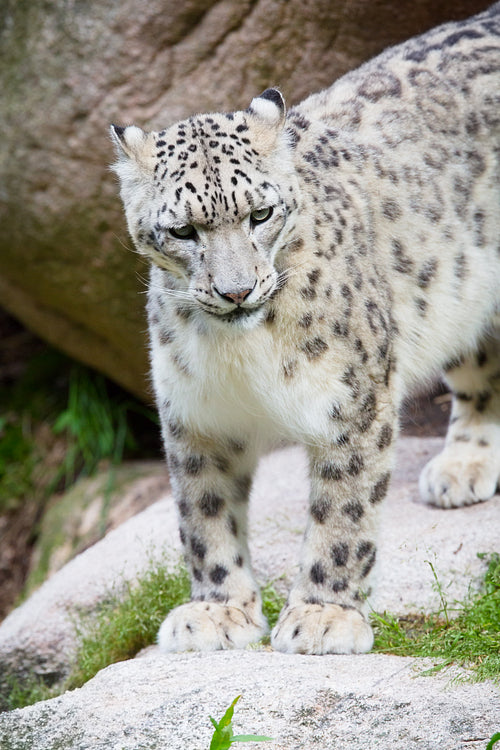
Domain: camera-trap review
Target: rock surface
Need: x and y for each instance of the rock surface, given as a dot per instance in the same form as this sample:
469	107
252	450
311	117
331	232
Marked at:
325	702
69	69
304	702
77	519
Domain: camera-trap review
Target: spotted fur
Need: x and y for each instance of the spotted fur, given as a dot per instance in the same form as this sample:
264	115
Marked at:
307	270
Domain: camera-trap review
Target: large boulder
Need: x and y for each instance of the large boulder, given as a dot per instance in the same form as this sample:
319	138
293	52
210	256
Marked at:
163	702
71	68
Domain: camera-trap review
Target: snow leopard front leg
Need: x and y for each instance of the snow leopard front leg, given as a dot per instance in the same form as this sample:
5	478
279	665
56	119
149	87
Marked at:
211	481
326	607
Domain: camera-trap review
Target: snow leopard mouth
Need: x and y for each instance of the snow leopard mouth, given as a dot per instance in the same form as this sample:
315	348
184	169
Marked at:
238	314
242	317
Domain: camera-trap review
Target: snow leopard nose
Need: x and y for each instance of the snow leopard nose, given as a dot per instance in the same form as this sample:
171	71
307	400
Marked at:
236	297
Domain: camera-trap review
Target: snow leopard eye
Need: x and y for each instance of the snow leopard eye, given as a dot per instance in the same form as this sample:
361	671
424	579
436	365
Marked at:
260	215
188	232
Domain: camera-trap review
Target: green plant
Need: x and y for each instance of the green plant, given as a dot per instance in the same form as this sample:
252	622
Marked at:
60	420
17	459
223	736
25	408
493	741
22	693
471	639
439	589
272	604
96	424
128	621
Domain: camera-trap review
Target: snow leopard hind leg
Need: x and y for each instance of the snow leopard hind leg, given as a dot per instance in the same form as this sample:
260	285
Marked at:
467	470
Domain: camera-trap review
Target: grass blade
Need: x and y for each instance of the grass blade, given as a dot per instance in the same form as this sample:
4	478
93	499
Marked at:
250	738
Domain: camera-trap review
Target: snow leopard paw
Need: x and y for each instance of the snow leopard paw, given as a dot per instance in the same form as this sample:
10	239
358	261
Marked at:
321	629
209	626
464	473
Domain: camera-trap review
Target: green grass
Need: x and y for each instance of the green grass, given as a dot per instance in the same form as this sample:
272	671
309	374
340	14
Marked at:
95	424
124	624
471	639
60	421
24	408
272	604
26	692
129	621
17	460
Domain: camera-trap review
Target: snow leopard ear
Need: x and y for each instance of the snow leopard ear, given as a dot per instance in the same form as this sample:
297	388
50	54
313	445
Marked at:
269	107
129	141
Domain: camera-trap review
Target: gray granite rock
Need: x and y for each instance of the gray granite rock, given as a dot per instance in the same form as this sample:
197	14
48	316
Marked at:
163	702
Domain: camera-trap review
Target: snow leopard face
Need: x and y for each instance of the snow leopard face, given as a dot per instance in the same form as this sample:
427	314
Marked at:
211	200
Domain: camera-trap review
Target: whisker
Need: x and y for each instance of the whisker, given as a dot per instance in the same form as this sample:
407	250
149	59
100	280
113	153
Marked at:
291	269
132	249
164	290
287	273
142	279
176	294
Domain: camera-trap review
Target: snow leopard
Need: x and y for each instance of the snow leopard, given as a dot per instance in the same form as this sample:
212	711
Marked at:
309	268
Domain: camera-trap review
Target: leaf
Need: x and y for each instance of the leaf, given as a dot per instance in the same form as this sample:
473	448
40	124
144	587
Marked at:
215	744
227	718
250	738
493	741
223	736
219	742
